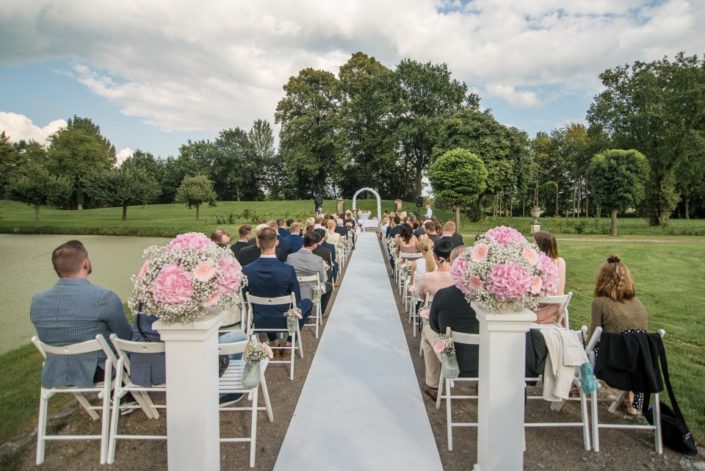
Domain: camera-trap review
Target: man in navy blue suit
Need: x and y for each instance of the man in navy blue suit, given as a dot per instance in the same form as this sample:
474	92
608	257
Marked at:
295	239
267	277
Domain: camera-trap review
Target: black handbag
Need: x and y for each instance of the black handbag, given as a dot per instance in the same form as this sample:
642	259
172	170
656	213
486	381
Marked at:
674	430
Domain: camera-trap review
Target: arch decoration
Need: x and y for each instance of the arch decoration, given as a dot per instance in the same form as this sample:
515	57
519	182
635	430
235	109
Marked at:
374	192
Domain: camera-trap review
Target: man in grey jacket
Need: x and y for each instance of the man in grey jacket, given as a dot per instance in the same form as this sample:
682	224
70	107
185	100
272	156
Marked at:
72	311
306	263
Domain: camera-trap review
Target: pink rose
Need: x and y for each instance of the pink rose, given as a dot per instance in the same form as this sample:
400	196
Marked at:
509	281
143	271
479	252
424	313
204	271
172	286
475	282
530	255
439	345
536	284
212	300
267	350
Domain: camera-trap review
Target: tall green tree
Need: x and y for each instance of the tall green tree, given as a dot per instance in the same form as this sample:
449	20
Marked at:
655	107
270	166
78	150
425	95
236	171
9	163
690	175
365	141
122	187
39	188
458	178
308	115
195	191
618	181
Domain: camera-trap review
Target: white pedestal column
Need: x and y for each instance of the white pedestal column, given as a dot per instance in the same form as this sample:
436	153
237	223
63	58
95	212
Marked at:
500	435
193	424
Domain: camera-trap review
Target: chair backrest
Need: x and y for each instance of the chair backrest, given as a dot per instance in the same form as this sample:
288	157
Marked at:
309	278
287	299
232	348
427	302
563	301
463	338
88	346
595	339
410	256
123	347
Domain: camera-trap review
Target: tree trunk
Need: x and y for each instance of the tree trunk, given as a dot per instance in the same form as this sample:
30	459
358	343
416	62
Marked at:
36	213
198	212
124	212
457	218
613	223
687	208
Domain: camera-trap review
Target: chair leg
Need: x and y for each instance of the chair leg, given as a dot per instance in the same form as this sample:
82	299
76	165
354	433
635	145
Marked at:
595	425
300	343
449	418
584	415
439	394
265	395
657	423
105	420
42	425
86	405
292	355
114	426
253	430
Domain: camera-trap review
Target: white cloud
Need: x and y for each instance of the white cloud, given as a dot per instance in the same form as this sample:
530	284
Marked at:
19	127
183	65
124	154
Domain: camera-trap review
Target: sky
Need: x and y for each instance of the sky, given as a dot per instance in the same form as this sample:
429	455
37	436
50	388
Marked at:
155	74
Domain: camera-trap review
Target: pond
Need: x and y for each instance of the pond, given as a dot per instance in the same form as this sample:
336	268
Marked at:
26	269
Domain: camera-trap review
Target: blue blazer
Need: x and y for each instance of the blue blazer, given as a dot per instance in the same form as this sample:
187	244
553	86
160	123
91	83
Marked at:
270	278
283	232
296	242
284	246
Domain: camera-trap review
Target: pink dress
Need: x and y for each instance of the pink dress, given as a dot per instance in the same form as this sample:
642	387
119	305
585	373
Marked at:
548	313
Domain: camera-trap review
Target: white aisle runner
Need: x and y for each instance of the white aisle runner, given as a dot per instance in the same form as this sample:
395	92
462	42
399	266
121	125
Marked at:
361	406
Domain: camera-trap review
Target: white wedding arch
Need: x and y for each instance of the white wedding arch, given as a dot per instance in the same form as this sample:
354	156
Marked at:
374	192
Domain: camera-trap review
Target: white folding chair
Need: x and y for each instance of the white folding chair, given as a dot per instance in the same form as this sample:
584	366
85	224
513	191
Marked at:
102	389
238	309
124	385
615	401
445	386
562	301
557	406
317	314
296	343
231	383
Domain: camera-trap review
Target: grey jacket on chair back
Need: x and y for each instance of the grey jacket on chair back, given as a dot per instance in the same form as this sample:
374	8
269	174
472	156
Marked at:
72	311
307	263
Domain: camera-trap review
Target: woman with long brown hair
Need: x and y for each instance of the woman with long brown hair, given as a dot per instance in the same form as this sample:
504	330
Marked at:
548	313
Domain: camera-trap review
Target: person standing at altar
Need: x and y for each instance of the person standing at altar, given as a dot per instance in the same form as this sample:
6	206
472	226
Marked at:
429	211
73	311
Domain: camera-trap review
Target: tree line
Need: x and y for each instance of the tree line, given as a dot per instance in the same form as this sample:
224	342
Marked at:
371	125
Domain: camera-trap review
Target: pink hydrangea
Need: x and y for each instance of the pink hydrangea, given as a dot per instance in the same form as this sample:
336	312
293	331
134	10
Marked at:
509	281
172	286
505	236
439	345
212	300
230	275
191	240
549	275
459	272
479	252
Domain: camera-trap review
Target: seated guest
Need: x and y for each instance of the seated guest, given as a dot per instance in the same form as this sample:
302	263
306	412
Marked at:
72	311
425	263
323	243
306	263
295	239
333	236
449	309
325	253
429	229
432	281
383	225
252	252
284	243
220	237
269	278
244	232
548	313
616	309
419	229
407	240
394	227
340	227
450	231
281	229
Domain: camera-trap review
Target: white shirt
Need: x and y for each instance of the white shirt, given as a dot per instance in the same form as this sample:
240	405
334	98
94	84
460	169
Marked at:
429	213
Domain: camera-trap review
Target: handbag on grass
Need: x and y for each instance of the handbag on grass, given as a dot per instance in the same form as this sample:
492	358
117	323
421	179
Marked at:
674	430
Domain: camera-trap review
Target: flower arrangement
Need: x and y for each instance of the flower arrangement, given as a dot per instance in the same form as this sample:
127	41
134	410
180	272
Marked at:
504	272
292	319
258	351
186	279
444	345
